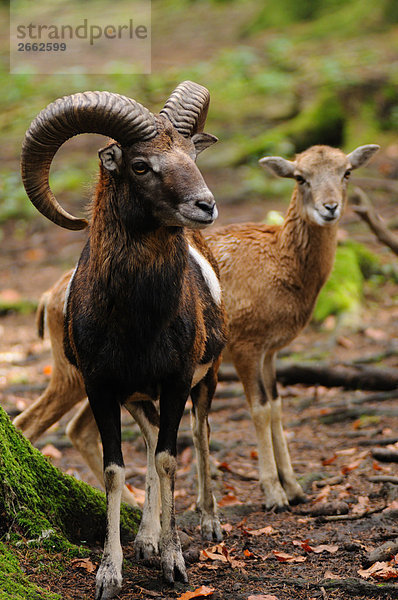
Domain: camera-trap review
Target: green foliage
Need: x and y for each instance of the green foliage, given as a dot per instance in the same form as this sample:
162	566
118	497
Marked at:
13	582
48	508
342	292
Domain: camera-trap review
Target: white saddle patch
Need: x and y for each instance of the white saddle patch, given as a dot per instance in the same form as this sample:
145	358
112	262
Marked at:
208	274
68	290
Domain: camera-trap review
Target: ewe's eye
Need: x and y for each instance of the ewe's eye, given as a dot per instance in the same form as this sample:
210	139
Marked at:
347	174
300	179
140	167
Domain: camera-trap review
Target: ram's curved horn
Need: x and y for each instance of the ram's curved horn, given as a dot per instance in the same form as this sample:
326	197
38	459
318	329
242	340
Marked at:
187	108
115	116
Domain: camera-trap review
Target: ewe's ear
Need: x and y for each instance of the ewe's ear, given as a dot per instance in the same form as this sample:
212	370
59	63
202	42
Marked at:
202	141
278	165
111	157
361	155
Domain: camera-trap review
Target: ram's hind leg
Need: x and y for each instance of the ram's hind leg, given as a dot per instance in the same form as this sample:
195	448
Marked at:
172	402
202	395
146	543
286	474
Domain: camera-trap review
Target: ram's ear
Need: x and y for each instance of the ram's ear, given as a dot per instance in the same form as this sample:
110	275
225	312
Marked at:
202	141
278	166
111	157
361	155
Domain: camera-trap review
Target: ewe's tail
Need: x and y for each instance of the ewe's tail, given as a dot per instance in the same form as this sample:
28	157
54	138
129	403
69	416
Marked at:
41	315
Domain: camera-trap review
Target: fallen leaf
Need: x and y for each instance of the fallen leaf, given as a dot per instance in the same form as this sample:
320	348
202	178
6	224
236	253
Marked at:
247	553
321	497
376	334
329	461
229	500
51	452
84	563
227	527
138	493
200	592
351	467
268	530
148	593
380	570
262	597
304	545
47	369
362	506
330	575
325	548
284	557
346	452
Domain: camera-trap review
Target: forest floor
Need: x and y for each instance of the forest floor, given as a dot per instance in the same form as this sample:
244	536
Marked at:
276	556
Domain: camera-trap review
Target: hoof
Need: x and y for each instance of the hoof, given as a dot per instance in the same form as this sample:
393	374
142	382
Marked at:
146	548
275	497
173	564
210	527
108	582
146	543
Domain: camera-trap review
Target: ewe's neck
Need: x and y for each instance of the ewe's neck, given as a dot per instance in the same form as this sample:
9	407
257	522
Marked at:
307	249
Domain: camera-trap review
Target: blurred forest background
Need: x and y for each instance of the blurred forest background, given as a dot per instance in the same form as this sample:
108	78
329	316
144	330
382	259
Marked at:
283	75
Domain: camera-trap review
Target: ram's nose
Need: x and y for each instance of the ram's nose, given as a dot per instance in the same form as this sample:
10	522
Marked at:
208	205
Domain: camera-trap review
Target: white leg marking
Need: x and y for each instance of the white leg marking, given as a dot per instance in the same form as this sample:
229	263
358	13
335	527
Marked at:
171	557
208	273
292	488
109	575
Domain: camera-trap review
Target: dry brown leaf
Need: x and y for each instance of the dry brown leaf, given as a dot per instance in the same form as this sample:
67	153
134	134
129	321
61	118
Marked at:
346	452
262	597
138	493
304	545
322	496
200	592
227	527
284	557
84	563
51	452
380	570
329	461
247	553
330	575
362	506
325	548
268	530
229	500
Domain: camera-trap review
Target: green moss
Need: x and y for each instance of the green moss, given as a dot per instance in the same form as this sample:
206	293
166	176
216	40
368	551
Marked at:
13	582
343	291
46	507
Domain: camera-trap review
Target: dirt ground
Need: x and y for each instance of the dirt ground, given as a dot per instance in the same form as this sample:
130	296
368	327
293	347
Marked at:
286	560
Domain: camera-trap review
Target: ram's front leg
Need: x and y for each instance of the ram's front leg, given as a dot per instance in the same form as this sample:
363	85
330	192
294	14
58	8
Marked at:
172	404
107	415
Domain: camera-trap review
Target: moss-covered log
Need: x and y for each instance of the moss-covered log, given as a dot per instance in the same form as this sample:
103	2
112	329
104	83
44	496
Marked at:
45	506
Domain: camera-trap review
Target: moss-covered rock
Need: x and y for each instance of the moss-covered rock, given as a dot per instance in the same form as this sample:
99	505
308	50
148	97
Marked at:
45	506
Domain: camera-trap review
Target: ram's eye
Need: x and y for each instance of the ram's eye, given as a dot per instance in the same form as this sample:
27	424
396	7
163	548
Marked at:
347	174
140	168
299	179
